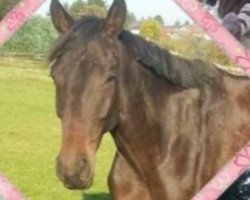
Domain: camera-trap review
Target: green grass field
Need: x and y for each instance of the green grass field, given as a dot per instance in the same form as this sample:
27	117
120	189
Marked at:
30	139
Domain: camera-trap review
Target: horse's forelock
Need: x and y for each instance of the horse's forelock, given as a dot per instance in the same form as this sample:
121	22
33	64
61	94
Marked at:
79	34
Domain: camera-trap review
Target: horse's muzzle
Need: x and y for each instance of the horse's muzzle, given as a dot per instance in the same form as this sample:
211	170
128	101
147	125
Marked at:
75	183
76	177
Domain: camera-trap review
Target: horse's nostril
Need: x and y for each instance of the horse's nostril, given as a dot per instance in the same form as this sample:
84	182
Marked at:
69	172
74	182
83	162
81	165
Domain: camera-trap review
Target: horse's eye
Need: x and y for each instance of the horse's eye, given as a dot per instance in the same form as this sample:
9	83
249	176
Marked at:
113	63
111	78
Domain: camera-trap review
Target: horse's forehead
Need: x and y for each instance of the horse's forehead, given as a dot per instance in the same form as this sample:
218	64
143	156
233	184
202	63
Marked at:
100	47
99	42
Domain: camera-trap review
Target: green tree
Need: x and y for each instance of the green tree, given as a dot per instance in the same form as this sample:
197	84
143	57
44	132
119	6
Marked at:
92	10
80	8
34	37
76	8
159	19
187	23
150	28
131	21
177	23
66	6
100	3
6	6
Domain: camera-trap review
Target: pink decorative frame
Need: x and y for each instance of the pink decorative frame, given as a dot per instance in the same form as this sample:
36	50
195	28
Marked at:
241	56
11	23
217	32
7	191
17	17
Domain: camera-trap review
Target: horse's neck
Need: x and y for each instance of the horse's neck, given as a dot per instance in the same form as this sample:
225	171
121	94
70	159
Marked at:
142	97
142	86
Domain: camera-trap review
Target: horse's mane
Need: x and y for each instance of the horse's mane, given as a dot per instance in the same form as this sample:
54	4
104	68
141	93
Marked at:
78	35
179	71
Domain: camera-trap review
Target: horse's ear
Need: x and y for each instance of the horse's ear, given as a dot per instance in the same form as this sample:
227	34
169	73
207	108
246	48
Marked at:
60	18
116	18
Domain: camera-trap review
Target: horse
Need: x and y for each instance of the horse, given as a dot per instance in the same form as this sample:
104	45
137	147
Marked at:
175	121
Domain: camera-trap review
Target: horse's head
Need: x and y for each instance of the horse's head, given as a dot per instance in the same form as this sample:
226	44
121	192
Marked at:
84	66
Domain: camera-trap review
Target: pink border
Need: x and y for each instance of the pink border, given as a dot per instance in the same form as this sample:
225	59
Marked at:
241	56
11	23
218	185
7	191
17	17
23	11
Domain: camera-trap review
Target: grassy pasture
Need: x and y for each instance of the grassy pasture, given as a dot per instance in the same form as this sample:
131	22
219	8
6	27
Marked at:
30	138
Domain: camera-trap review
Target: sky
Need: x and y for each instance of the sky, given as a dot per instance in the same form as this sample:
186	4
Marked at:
143	8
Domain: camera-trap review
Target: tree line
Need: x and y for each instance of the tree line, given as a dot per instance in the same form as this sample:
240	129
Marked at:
38	34
99	8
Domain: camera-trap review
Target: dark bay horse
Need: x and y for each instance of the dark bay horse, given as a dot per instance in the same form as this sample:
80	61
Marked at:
175	122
